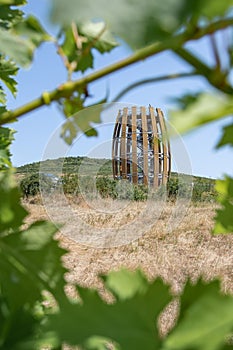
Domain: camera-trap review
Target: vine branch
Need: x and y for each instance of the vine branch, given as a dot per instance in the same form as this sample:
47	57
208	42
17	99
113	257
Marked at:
154	80
65	90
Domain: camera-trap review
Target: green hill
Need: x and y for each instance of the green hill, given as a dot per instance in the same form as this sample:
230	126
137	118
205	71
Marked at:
70	169
68	165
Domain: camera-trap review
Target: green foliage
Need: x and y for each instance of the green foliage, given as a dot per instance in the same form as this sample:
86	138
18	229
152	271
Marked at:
202	189
205	319
82	121
76	48
6	137
35	183
19	37
31	260
106	187
203	109
141	23
11	212
7	70
29	265
70	184
226	138
138	300
224	218
80	40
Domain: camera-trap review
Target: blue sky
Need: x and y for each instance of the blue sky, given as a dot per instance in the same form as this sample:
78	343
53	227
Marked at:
35	129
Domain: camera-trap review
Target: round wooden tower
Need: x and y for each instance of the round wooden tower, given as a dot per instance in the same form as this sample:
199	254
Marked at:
140	147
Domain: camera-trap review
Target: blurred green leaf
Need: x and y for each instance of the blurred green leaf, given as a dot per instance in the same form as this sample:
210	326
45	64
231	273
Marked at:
213	8
15	47
99	35
130	321
206	318
7	70
73	104
2	96
19	36
82	121
203	109
31	29
79	43
87	116
139	23
124	284
224	217
12	213
227	136
100	343
9	16
30	263
6	137
13	2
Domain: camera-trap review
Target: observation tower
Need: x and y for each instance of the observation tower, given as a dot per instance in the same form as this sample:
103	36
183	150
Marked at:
140	147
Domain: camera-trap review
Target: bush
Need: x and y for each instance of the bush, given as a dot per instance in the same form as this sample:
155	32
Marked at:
70	184
140	192
35	183
106	187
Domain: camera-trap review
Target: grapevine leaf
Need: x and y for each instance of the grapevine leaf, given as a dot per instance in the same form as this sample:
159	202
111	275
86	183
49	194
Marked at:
130	321
69	132
82	121
87	116
213	8
31	255
19	49
204	108
2	96
224	218
206	318
7	70
3	109
73	104
31	29
78	46
99	35
6	137
137	22
12	213
19	37
226	138
81	61
124	284
9	16
30	263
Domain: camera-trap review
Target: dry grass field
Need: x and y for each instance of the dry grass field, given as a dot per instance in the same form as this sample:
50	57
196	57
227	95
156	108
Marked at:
190	250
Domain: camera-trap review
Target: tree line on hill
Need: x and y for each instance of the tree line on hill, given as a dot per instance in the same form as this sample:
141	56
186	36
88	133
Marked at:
70	182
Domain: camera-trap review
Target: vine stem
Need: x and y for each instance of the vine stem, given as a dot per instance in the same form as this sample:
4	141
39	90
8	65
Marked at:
65	90
153	80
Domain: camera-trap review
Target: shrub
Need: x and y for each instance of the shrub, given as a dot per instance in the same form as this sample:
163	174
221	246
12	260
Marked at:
70	184
35	183
106	187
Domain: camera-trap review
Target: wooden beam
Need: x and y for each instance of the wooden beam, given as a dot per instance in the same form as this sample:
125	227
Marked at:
123	155
164	147
155	147
115	141
134	146
145	145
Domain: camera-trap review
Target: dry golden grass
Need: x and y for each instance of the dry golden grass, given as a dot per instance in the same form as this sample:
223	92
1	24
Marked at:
189	251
